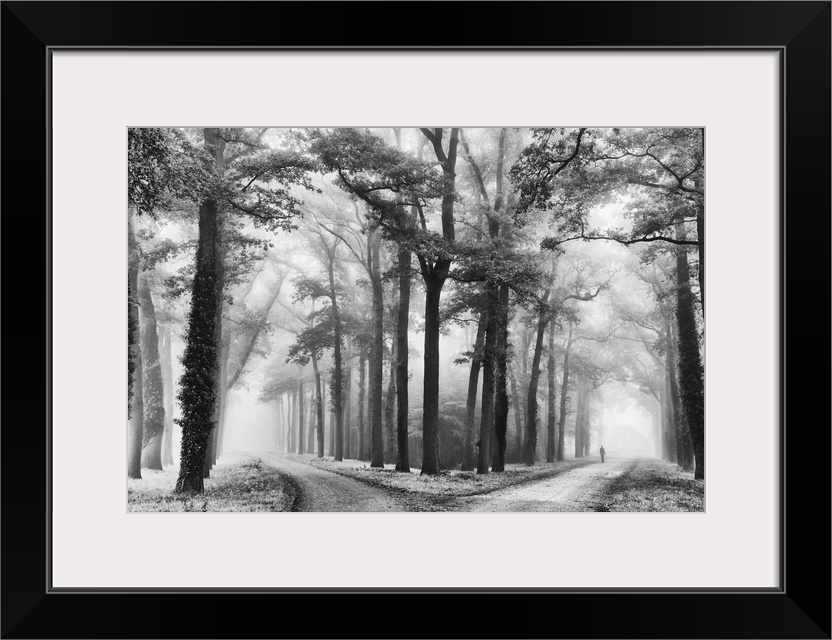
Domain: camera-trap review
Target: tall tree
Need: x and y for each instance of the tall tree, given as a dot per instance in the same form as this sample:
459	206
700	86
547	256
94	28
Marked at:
153	389
551	442
253	181
135	406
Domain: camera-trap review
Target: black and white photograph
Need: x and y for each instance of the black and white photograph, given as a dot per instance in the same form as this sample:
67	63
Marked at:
416	319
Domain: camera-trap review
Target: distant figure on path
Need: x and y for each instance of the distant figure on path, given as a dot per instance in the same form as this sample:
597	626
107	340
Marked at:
602	453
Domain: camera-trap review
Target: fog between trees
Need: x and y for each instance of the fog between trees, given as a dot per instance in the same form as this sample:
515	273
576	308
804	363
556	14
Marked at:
430	298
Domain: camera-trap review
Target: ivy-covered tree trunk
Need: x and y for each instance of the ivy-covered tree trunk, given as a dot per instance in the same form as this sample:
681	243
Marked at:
551	443
166	359
487	412
471	404
691	378
532	420
500	375
135	407
153	388
564	391
220	372
362	377
197	386
376	360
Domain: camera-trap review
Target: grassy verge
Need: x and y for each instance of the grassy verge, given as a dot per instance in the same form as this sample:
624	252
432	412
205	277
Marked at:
654	485
240	485
449	484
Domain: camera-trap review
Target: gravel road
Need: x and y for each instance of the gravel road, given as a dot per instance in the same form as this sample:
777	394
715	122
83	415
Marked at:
320	490
580	489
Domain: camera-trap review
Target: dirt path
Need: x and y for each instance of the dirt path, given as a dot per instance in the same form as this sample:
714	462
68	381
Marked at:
580	489
320	490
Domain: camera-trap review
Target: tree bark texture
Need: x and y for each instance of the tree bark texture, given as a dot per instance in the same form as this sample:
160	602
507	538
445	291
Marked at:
532	420
135	407
471	404
564	391
153	388
551	442
691	379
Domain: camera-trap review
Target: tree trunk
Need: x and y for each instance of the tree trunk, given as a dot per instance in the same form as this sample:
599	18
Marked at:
198	390
337	374
488	359
551	443
300	416
700	232
518	416
153	388
291	407
319	406
586	433
500	375
402	347
471	405
683	454
531	400
430	418
362	374
220	371
279	423
390	411
564	390
135	407
434	281
657	432
166	359
331	423
198	386
691	380
310	425
580	412
377	362
348	410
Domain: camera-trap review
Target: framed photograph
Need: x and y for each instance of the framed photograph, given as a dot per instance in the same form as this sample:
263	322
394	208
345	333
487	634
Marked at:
586	130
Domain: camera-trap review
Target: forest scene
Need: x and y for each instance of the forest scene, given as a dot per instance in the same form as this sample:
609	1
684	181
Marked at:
415	319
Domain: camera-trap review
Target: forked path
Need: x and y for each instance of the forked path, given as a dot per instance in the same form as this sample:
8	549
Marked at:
320	490
581	489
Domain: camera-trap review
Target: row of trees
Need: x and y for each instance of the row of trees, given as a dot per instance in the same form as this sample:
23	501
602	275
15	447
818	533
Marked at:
483	224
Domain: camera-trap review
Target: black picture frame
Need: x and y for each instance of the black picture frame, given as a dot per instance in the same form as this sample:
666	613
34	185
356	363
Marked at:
799	608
